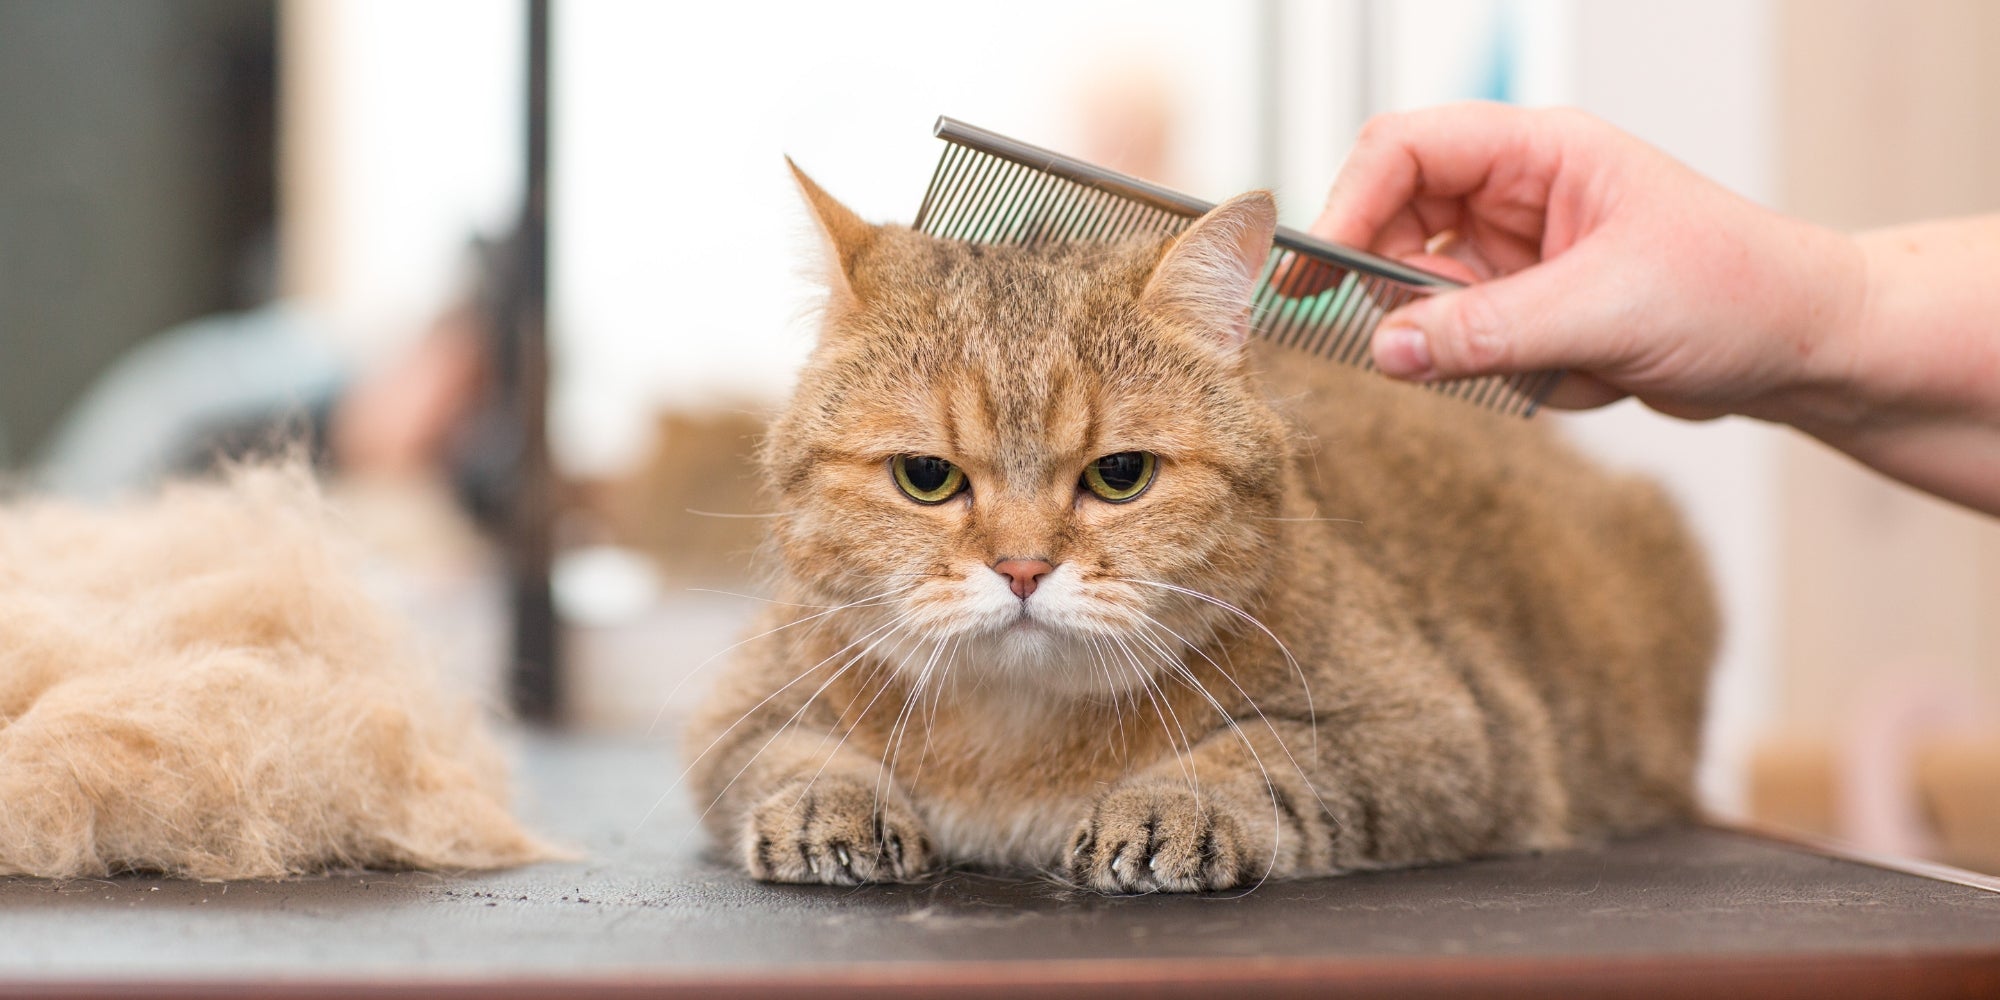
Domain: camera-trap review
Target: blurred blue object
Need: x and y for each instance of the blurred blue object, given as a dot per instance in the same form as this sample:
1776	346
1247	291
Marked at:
166	404
1501	59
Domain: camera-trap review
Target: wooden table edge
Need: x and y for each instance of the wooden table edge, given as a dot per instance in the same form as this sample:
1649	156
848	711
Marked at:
1711	977
1832	848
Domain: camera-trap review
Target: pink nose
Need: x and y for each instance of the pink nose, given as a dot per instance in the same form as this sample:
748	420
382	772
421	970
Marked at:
1023	574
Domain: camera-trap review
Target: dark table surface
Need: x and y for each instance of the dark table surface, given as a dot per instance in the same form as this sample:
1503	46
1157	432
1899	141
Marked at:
648	911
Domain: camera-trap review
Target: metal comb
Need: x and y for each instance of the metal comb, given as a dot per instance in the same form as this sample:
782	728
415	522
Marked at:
1315	296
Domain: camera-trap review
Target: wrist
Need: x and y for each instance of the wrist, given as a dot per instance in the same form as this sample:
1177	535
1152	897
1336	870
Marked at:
1921	347
1822	328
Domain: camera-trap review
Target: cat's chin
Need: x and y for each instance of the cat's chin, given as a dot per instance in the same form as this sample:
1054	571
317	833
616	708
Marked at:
1045	658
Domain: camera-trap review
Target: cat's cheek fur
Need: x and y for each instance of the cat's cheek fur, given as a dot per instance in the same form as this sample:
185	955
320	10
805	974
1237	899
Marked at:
985	603
853	534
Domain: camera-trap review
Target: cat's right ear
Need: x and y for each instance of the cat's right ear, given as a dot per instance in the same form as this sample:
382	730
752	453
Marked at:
846	235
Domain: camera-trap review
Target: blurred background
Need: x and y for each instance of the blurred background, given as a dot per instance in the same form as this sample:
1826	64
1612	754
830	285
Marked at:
229	223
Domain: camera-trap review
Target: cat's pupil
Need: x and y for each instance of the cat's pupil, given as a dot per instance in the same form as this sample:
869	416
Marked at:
1121	472
926	473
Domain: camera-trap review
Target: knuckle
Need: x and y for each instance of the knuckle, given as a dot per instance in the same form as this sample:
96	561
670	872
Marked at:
1569	120
1477	338
1381	127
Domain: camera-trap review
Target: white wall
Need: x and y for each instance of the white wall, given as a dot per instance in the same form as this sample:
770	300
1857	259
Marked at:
679	237
1698	79
403	139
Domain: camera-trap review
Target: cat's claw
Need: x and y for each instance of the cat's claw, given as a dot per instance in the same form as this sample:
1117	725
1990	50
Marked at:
1186	843
836	831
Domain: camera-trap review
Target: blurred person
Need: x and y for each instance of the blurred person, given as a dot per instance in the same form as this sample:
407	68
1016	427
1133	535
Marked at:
161	406
233	385
1591	251
1128	117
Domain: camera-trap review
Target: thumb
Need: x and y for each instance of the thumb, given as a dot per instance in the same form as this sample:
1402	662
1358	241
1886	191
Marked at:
1545	317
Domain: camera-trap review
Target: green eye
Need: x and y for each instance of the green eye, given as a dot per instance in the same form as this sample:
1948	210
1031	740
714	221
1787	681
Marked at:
1120	477
927	479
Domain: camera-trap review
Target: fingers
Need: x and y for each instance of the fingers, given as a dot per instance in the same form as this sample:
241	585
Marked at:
1406	174
1554	316
1297	276
1412	178
1412	187
1582	391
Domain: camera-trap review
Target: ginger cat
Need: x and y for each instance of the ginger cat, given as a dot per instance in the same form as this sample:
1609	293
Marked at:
1076	579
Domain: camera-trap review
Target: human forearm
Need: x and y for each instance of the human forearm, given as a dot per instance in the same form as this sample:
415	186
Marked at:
1592	252
1918	363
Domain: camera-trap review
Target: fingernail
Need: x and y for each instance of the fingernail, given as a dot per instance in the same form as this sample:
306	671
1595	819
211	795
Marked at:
1403	351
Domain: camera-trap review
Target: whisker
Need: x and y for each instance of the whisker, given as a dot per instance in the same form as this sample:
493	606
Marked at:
1148	685
1172	664
1186	676
863	602
881	668
1305	686
789	722
1117	710
937	694
1111	684
1269	783
752	710
877	668
912	702
871	601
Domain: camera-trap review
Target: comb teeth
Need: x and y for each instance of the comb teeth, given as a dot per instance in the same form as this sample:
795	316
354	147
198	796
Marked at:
993	190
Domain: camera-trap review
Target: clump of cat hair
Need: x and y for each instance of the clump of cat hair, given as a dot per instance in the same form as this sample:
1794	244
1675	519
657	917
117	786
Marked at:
194	684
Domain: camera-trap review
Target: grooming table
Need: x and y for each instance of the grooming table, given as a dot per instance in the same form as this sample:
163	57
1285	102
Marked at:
1693	912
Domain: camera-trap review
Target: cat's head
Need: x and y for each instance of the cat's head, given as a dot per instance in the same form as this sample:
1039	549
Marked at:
1042	465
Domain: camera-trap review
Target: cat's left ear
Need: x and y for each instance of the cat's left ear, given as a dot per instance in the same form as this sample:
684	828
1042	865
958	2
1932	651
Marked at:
1206	277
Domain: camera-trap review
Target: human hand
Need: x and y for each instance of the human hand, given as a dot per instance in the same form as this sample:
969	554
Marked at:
1589	250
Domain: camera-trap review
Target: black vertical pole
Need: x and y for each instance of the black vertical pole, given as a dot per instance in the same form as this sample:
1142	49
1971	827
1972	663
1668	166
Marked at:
537	681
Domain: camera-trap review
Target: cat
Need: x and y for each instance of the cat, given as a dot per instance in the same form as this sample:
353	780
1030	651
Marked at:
1075	578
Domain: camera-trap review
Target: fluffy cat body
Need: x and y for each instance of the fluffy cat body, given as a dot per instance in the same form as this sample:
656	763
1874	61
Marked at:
1346	624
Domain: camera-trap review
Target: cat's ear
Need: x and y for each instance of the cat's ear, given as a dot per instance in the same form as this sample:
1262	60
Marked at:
1206	277
845	233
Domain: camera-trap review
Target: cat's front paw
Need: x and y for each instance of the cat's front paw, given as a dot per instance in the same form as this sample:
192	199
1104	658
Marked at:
835	830
1161	836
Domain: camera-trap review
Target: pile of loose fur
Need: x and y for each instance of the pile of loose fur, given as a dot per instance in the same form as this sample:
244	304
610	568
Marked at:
196	685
